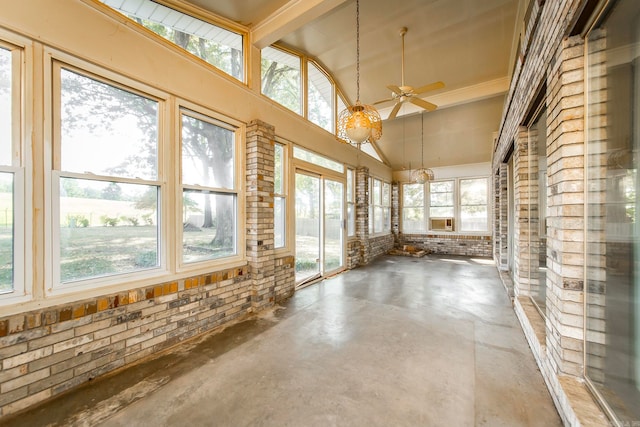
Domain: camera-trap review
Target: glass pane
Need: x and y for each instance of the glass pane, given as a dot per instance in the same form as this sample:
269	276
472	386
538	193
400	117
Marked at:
316	159
281	79
473	191
209	225
6	107
106	130
6	232
219	47
474	218
332	225
386	194
441	199
278	169
441	187
537	261
613	233
351	219
377	196
386	221
106	228
320	98
412	195
307	226
441	212
413	220
279	213
378	219
350	186
207	154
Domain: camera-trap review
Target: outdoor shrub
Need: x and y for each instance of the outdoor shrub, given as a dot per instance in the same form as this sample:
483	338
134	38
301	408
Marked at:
109	221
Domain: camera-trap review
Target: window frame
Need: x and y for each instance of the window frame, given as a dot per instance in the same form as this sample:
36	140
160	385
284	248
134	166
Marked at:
56	61
22	65
460	205
350	187
284	196
239	130
202	15
377	203
456	207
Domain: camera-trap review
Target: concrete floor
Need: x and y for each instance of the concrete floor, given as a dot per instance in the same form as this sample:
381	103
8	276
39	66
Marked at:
403	342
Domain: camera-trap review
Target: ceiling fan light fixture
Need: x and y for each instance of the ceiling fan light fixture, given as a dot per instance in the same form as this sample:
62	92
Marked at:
359	123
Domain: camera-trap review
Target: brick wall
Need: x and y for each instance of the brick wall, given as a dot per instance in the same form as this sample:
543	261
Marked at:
450	244
553	63
49	351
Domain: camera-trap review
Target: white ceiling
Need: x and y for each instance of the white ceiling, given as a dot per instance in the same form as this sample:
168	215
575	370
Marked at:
465	43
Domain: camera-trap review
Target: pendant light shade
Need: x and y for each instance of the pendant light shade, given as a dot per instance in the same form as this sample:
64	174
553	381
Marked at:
422	175
359	123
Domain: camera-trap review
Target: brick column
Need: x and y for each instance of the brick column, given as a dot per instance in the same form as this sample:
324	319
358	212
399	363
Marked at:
502	217
395	212
259	212
521	205
566	198
362	213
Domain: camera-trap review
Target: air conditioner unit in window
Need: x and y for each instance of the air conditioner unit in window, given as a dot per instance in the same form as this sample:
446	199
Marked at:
441	224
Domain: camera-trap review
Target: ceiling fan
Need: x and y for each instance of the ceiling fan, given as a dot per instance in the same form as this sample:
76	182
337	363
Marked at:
401	94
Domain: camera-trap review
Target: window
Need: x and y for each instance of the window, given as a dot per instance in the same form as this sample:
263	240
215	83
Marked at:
12	194
319	98
473	204
612	285
351	203
380	207
316	159
279	199
218	46
413	220
459	204
441	199
282	78
106	142
209	199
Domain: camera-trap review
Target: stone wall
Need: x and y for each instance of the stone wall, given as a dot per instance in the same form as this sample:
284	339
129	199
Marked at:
549	69
449	244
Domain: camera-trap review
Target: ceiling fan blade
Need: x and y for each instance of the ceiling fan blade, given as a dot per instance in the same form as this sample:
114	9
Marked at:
395	110
383	100
429	87
422	103
394	89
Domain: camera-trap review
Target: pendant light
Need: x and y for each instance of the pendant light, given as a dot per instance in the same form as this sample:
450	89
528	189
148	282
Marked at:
422	175
360	123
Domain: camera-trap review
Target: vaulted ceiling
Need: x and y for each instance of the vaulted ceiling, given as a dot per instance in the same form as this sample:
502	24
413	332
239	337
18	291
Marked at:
467	44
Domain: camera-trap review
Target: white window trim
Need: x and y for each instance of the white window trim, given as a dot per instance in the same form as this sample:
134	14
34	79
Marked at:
239	130
54	61
22	64
372	207
457	208
285	196
351	202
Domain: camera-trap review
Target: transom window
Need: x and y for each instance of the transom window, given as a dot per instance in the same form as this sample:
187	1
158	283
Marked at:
218	46
282	78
